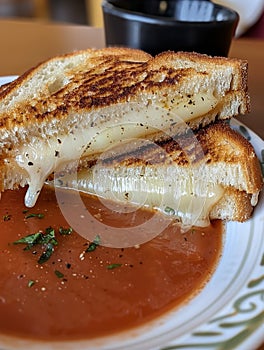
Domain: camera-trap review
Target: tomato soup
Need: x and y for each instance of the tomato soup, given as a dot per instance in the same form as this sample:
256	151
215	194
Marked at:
67	287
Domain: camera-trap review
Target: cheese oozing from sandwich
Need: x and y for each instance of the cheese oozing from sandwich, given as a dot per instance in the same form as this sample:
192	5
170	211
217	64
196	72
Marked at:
40	159
189	200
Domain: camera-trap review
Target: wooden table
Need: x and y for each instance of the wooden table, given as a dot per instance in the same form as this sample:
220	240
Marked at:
24	44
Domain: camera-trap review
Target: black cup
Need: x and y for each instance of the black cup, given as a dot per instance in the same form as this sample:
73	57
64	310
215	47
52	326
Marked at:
179	25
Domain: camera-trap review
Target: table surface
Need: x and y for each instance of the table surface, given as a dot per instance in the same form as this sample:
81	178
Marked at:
25	44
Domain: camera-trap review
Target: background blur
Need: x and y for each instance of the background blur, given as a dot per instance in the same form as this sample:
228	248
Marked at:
88	12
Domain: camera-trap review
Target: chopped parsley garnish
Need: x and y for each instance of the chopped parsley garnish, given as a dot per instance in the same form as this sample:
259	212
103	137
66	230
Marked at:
38	238
113	266
30	240
49	236
93	245
169	211
49	249
97	240
65	231
31	283
34	215
46	240
7	217
59	274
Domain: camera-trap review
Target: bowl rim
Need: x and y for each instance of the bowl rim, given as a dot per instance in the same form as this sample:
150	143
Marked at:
110	8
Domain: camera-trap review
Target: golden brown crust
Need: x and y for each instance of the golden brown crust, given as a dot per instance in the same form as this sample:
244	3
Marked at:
131	55
239	65
92	72
234	148
111	76
233	206
203	62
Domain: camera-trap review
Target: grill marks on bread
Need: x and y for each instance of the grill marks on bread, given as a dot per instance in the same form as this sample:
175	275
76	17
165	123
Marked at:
109	77
116	83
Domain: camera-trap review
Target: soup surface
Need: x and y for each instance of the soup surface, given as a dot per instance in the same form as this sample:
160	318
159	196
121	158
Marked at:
58	285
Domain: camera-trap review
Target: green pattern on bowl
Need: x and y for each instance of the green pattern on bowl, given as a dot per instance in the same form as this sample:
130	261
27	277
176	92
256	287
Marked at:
245	315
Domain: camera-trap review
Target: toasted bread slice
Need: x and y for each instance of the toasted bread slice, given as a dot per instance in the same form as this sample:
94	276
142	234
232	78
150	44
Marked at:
210	174
50	114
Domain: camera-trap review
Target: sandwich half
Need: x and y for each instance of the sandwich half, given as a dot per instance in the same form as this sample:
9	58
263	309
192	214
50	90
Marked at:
76	106
212	173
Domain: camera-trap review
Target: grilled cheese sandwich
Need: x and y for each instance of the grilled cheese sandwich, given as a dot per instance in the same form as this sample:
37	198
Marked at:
70	109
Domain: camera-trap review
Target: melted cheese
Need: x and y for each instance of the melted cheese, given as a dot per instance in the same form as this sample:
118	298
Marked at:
40	158
191	107
187	199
